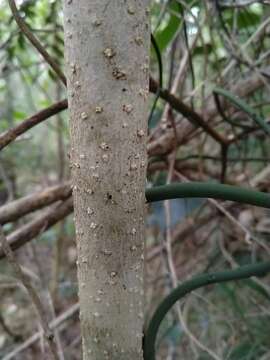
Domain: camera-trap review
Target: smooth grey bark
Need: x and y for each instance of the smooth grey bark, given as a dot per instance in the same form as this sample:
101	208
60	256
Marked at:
107	67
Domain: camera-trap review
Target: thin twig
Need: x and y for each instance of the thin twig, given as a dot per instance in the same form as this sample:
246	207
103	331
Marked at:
35	337
173	274
10	135
14	210
35	42
27	232
6	328
187	112
31	292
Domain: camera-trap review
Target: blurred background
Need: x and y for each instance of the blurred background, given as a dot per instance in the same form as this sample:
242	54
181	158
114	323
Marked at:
199	46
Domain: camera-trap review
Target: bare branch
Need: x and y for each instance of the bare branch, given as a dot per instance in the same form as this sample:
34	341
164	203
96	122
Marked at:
35	42
27	232
35	337
16	209
10	135
5	247
187	112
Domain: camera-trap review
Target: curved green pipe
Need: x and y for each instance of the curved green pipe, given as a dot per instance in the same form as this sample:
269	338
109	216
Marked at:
243	272
208	190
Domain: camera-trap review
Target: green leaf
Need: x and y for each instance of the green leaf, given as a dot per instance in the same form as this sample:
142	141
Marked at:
19	115
164	37
58	52
21	41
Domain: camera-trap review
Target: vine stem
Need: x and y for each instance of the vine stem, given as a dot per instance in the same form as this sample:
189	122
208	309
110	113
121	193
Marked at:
243	272
208	190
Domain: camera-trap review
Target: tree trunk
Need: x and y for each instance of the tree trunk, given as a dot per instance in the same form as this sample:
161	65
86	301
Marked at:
107	62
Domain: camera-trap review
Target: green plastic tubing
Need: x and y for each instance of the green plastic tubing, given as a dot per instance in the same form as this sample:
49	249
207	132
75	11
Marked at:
243	272
208	190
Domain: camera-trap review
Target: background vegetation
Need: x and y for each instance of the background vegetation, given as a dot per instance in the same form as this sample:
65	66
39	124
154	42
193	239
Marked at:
196	132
